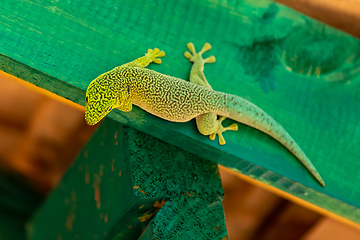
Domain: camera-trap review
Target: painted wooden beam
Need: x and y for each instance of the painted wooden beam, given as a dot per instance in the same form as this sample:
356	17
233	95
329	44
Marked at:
301	72
122	181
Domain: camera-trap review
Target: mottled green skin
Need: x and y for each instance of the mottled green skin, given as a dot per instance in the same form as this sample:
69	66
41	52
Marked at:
208	123
177	100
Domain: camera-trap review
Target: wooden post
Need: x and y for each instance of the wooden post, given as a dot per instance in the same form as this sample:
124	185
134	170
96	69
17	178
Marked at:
123	180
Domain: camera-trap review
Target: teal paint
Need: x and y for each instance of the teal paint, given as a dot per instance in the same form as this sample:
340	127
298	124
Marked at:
320	113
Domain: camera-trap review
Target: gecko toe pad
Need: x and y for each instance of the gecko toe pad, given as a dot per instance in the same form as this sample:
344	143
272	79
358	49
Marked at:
205	48
188	56
210	59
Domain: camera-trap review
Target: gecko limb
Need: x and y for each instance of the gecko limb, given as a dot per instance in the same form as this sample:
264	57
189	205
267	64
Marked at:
208	124
152	55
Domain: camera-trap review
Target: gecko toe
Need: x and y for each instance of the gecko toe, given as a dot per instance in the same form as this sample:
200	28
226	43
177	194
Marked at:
205	48
156	51
160	54
157	61
191	47
221	139
210	59
188	55
232	127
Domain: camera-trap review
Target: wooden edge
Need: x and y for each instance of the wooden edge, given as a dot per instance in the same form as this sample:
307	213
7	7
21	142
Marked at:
292	198
42	91
341	14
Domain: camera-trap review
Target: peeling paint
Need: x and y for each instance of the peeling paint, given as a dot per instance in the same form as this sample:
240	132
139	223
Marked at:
112	165
137	188
87	176
147	216
101	171
59	236
70	218
73	195
158	204
96	183
192	194
218	228
86	153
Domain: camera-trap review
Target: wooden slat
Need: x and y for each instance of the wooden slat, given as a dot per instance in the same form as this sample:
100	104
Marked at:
61	46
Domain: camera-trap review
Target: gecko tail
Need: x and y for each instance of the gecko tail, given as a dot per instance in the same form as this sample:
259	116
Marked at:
242	111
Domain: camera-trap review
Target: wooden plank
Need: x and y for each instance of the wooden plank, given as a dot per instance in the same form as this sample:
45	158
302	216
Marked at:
120	180
256	46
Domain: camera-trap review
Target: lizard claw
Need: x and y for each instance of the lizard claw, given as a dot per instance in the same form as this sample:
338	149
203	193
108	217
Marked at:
153	55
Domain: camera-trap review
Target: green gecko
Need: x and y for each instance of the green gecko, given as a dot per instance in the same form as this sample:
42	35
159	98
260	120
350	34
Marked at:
177	100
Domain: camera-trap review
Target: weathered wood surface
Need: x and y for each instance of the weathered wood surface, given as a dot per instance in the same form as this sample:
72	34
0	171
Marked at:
303	74
120	180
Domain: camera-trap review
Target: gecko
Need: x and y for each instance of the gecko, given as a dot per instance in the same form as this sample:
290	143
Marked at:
177	100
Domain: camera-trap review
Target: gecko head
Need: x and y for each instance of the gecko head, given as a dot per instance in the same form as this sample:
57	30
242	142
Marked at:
102	95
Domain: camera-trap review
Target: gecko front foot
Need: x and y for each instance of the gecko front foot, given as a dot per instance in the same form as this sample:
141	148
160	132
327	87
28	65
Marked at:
193	56
221	129
153	55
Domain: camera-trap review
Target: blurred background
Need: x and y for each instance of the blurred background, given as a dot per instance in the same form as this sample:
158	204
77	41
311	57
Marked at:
41	133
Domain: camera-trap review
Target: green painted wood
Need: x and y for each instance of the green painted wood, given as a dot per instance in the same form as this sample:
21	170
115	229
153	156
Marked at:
196	218
17	204
121	181
302	73
95	196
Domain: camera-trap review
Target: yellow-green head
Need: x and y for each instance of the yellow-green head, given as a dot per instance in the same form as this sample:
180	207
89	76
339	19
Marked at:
103	95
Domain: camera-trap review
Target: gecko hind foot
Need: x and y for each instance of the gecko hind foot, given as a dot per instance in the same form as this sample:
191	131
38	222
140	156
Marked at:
193	56
153	55
221	129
